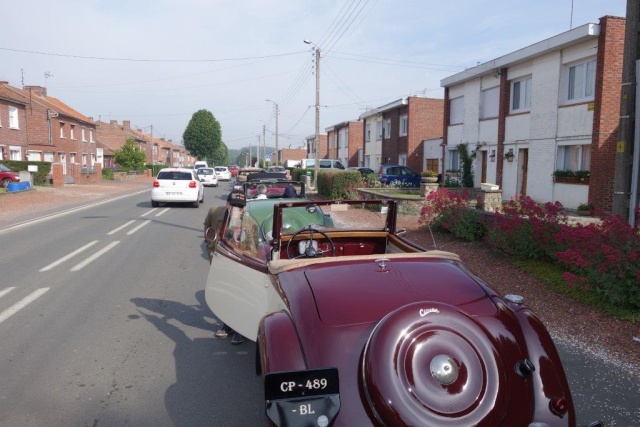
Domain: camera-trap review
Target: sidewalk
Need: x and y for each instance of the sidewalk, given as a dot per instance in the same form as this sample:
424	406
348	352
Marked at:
42	201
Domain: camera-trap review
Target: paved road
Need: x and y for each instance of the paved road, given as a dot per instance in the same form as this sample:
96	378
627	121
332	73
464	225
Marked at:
103	322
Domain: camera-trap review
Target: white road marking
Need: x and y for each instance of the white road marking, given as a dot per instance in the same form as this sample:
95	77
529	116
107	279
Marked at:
6	291
22	304
162	211
72	254
148	212
95	256
115	230
139	227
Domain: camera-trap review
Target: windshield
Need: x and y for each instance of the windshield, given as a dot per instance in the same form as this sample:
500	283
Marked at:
327	216
3	168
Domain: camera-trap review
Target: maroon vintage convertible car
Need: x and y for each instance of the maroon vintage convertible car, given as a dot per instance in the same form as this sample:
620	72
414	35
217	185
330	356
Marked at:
357	326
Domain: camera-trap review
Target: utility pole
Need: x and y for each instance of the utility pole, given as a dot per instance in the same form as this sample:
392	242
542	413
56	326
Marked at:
264	143
622	204
275	104
258	151
316	141
152	146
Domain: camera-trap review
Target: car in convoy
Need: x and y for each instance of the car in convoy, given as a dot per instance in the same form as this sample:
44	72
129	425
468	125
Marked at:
7	176
223	173
244	172
401	176
200	164
207	176
177	185
357	326
330	164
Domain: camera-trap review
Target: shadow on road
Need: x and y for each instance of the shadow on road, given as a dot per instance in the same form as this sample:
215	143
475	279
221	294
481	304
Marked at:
216	382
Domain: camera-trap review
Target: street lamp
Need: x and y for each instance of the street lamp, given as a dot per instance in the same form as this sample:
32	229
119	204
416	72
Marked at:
316	142
276	105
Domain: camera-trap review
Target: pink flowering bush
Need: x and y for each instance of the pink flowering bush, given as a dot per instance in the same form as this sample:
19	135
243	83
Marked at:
526	229
449	211
604	258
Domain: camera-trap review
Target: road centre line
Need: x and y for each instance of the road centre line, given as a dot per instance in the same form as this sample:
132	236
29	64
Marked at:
115	230
162	211
138	227
95	256
6	291
22	303
148	212
72	254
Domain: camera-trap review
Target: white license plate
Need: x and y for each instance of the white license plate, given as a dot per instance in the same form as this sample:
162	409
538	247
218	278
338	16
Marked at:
173	193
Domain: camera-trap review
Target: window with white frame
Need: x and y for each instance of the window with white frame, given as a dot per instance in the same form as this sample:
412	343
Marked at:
91	135
521	94
574	157
33	156
379	130
456	110
48	156
13	118
84	160
387	128
72	131
490	103
581	80
62	125
453	160
403	125
72	158
367	133
402	159
83	134
15	153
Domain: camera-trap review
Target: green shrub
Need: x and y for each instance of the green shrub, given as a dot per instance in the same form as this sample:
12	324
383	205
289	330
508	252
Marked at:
339	184
107	173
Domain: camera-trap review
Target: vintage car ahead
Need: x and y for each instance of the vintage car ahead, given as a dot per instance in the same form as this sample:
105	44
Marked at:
357	326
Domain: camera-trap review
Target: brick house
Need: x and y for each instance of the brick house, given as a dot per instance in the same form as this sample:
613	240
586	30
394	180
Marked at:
291	155
345	143
406	123
13	125
551	106
112	136
322	153
55	132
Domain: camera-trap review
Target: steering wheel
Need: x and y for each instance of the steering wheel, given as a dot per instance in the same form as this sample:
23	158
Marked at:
310	251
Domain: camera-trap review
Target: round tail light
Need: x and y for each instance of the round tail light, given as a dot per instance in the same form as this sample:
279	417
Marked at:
558	406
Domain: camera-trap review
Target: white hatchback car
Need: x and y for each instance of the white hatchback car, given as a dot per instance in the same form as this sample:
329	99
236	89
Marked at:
223	172
207	176
177	185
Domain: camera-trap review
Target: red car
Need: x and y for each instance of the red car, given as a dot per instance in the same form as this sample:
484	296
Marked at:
8	176
357	326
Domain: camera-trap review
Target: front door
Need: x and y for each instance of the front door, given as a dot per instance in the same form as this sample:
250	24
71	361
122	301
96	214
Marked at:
483	165
523	160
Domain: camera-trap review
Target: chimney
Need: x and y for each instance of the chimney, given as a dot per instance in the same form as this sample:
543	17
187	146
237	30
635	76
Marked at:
126	124
37	90
91	119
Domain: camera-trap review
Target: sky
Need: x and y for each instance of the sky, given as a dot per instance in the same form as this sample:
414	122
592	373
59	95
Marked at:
156	62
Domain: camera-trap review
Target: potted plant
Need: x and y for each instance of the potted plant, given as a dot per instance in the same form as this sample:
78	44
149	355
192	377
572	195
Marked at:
429	176
509	155
584	209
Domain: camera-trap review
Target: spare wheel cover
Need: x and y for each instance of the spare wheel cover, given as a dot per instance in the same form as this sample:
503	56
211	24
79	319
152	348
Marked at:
430	363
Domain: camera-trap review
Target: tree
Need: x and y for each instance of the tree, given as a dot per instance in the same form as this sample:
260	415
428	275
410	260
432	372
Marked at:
203	138
129	156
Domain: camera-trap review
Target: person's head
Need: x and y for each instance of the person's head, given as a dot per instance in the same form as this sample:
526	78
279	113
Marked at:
237	199
289	192
262	189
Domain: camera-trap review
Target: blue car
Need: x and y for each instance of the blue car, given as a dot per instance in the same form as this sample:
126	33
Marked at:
399	175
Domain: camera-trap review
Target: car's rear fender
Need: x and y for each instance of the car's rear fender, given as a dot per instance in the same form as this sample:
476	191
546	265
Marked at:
549	381
277	332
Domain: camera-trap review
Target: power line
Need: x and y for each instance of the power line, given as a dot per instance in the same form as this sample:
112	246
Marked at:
103	58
